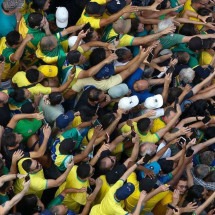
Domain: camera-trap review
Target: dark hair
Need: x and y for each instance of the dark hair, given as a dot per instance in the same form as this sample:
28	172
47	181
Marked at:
188	29
28	205
26	165
107	119
134	26
34	19
168	111
83	170
97	56
9	139
18	95
4	186
86	113
67	146
32	75
174	93
166	165
182	57
38	4
1	167
121	54
183	178
143	124
89	35
12	38
73	56
94	94
55	98
28	108
204	11
194	193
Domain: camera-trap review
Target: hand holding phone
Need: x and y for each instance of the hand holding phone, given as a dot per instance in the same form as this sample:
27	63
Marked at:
189	152
181	142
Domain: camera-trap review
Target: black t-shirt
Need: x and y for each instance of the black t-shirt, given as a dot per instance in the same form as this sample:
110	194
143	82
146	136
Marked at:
5	115
8	154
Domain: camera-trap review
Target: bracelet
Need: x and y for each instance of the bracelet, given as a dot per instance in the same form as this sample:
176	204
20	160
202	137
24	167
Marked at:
137	164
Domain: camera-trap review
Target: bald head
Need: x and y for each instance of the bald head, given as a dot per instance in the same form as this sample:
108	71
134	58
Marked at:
48	43
3	98
141	85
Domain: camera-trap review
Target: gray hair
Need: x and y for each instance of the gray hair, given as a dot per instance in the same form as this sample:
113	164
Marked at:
187	75
164	24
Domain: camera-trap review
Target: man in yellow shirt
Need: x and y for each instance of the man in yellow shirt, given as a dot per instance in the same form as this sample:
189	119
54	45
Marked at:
113	201
94	11
143	126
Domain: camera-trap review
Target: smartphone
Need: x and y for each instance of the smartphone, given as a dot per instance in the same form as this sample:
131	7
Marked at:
27	178
89	190
189	152
174	56
194	133
181	142
86	27
133	133
1	58
172	207
206	119
150	57
170	70
44	122
171	188
96	122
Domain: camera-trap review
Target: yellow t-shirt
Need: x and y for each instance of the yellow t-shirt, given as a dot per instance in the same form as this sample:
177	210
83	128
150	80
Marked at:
205	58
109	206
103	191
38	183
20	79
94	21
10	68
74	200
148	137
131	201
161	207
188	6
157	125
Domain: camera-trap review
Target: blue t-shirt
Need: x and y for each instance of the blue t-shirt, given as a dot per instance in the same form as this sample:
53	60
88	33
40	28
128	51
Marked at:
8	22
136	76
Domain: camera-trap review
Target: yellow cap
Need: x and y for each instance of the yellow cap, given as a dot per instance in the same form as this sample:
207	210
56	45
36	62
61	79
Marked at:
48	70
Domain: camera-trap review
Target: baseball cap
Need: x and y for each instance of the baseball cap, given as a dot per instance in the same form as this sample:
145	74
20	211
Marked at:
72	40
115	5
62	16
95	8
196	43
115	174
147	184
122	26
125	191
118	91
64	119
154	102
67	146
106	71
10	5
128	103
48	70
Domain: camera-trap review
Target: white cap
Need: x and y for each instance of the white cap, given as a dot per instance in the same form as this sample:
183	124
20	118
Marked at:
62	16
72	40
154	102
127	103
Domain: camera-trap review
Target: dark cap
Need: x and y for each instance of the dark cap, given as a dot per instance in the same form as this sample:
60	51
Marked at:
196	43
147	184
115	174
125	191
28	108
67	146
95	8
115	5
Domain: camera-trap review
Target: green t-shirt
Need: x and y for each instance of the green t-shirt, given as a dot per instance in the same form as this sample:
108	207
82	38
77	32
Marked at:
171	40
27	127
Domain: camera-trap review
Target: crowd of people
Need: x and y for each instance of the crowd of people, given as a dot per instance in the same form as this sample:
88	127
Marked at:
107	107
